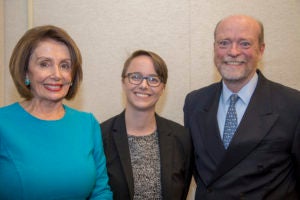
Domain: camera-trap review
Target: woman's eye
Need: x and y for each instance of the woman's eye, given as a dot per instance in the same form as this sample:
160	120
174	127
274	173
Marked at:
153	79
44	64
65	66
136	77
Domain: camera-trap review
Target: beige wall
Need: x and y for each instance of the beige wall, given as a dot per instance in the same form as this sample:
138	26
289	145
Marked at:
181	31
1	51
15	24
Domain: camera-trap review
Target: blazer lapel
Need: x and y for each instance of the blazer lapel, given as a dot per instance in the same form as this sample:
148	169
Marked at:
121	141
259	113
166	151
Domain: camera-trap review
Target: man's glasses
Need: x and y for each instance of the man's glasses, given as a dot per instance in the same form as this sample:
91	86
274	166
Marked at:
136	78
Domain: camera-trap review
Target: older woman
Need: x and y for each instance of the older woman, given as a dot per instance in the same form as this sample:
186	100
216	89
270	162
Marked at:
148	157
47	149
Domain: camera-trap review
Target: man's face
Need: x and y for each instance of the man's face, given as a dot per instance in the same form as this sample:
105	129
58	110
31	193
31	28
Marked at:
237	50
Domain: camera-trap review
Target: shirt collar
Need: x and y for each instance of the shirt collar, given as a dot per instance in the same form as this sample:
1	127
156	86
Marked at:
244	94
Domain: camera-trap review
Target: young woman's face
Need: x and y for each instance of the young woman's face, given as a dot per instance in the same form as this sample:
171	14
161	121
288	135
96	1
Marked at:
50	71
142	96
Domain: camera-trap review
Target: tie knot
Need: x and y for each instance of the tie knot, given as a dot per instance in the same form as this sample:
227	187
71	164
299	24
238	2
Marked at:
233	99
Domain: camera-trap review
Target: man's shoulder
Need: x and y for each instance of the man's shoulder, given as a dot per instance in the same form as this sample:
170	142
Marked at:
206	91
169	122
278	89
285	89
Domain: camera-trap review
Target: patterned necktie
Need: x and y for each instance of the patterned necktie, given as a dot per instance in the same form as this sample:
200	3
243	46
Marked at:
230	121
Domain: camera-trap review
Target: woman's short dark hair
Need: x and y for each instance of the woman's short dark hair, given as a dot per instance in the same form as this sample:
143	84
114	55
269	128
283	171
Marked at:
159	64
19	60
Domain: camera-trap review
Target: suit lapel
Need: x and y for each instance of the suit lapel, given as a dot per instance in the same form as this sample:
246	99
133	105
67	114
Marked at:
258	113
121	141
208	134
211	133
166	151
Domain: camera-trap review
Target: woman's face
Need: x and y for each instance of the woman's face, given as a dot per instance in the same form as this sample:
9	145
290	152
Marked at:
142	97
50	71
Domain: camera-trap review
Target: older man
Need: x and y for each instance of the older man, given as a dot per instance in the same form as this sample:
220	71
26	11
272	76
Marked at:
245	129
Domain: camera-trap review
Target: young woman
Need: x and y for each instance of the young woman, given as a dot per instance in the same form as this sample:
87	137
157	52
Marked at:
148	157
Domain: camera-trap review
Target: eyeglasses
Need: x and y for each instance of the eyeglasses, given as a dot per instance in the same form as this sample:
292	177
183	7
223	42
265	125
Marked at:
136	78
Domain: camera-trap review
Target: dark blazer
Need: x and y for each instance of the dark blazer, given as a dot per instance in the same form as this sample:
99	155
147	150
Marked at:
263	159
175	155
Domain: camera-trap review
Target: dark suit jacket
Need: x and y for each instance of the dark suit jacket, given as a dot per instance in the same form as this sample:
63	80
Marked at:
175	155
263	159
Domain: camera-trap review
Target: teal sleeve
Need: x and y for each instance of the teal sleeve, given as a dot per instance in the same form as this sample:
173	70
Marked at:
101	190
